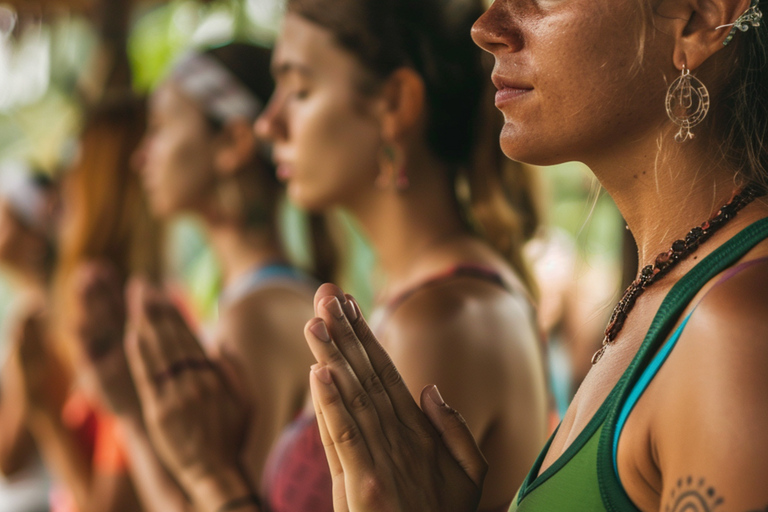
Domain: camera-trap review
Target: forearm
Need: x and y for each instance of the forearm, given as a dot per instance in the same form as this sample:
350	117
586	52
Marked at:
225	491
16	445
157	489
62	455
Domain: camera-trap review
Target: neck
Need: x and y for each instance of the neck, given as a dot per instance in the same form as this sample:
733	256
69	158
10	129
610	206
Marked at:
664	190
238	250
404	226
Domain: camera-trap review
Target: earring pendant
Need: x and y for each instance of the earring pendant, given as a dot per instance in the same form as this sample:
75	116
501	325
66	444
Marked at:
687	104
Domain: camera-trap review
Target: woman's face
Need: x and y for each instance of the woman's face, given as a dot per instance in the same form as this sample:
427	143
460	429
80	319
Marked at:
566	72
176	158
325	139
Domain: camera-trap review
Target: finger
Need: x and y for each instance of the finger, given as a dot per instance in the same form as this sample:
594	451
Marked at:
146	351
347	352
369	360
102	320
159	333
142	374
358	402
455	434
330	452
344	436
340	503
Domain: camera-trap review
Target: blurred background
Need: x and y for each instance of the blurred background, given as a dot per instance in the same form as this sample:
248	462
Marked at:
58	55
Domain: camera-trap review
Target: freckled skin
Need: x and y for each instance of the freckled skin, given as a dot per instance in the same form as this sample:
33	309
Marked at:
587	94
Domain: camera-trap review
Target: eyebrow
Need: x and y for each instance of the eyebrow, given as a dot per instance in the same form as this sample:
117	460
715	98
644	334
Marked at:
286	68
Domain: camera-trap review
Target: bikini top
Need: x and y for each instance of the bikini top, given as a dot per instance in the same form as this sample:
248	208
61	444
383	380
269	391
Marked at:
296	476
585	476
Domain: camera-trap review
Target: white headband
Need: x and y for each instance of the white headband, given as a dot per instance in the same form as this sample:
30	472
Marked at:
218	90
26	199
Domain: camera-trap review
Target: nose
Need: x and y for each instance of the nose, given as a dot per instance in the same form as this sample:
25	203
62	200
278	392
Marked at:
270	125
497	29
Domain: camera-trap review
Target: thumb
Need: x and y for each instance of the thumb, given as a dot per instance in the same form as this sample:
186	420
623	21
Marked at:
455	434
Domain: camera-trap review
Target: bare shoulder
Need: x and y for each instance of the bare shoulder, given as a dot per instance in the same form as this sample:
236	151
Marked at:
465	319
711	424
266	319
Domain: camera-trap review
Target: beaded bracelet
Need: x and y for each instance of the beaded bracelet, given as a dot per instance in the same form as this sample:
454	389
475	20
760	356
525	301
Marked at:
240	502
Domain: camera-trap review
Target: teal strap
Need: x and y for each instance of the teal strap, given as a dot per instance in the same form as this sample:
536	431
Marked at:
641	386
613	494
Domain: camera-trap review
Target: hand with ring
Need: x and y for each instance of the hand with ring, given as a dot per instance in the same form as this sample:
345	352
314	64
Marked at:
193	417
385	452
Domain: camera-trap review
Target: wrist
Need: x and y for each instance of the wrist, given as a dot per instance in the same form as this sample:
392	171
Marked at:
217	491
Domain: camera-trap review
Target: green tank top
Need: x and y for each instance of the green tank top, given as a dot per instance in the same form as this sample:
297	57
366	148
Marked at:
583	478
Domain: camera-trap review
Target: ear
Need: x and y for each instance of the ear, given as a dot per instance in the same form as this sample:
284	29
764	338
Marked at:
693	25
235	146
404	104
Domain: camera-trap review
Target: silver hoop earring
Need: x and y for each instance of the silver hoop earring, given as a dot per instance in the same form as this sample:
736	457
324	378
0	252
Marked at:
751	18
687	104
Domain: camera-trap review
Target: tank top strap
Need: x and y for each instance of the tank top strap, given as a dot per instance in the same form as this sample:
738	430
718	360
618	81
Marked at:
266	275
583	478
473	271
676	301
658	361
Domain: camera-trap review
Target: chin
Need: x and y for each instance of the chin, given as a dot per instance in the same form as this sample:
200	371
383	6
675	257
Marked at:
308	202
529	148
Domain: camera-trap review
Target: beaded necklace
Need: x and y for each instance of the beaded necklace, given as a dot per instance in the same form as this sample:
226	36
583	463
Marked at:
665	261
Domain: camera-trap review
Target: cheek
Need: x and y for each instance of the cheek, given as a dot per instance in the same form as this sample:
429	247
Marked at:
178	172
587	95
336	154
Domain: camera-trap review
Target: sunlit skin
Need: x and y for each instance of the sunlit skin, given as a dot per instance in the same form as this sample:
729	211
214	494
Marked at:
328	137
177	154
645	183
573	86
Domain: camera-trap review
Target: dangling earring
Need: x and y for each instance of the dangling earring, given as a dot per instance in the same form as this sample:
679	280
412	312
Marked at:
391	170
687	104
750	18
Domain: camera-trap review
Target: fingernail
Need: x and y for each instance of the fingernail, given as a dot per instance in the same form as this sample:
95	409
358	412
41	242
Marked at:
333	306
435	396
323	374
349	308
320	331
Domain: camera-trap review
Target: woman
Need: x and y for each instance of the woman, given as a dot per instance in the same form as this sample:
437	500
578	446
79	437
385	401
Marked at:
672	415
27	226
200	156
380	122
103	217
379	111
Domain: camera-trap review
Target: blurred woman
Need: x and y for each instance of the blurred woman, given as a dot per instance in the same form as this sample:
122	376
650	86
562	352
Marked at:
104	218
380	110
27	256
200	156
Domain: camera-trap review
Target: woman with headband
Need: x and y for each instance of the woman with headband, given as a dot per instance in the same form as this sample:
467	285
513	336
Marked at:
200	156
667	102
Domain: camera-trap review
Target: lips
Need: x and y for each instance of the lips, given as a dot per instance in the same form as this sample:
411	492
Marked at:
509	89
284	172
